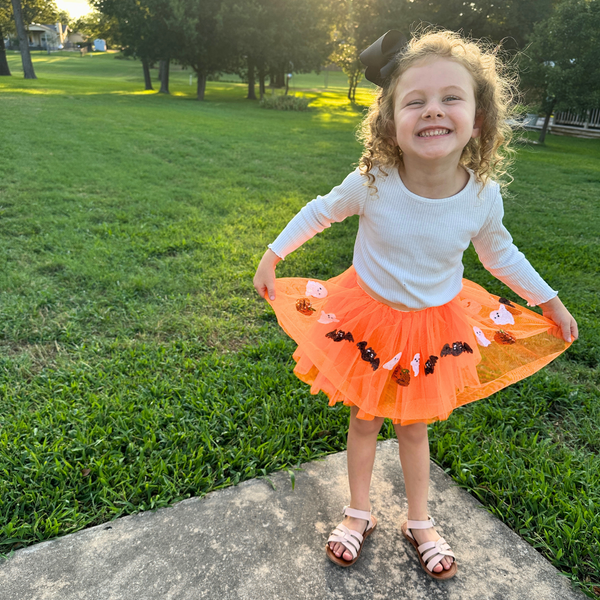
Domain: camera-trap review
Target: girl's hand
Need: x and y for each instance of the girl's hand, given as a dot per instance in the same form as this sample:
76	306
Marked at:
566	325
264	280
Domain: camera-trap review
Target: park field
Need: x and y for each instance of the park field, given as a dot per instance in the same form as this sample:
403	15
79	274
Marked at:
137	365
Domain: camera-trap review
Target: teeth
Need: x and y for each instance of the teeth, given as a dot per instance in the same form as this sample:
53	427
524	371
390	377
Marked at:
431	132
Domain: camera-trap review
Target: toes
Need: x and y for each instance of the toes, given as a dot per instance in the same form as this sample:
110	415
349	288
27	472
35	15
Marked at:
438	568
347	555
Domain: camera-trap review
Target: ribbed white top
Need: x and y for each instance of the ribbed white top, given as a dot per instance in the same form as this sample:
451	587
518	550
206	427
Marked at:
409	249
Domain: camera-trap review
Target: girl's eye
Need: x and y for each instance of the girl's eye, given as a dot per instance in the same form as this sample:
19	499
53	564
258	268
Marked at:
451	98
414	102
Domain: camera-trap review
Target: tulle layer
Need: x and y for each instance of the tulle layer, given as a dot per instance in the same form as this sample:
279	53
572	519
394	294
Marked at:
409	366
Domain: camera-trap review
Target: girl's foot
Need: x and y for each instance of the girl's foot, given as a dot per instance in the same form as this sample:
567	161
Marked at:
352	523
431	535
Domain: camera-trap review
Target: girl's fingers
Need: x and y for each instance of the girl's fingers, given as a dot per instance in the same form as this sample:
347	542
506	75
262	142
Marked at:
264	289
574	329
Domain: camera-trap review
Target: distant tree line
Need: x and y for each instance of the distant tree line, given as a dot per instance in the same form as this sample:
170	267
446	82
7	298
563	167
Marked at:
268	38
260	39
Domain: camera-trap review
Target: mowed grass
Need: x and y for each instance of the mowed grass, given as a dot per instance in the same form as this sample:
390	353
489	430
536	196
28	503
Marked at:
137	365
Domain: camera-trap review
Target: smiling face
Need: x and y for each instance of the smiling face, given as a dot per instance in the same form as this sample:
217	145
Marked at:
435	112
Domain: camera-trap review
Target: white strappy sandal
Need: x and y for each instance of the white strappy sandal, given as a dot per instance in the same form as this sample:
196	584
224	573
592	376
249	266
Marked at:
352	540
430	553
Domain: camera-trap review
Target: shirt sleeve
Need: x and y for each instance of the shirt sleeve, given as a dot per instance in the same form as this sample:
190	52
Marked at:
342	201
498	254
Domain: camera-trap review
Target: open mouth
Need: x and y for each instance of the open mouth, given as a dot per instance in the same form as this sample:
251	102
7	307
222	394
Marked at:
433	132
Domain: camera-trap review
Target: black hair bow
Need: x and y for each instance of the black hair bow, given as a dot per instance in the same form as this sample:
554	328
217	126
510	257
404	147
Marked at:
379	56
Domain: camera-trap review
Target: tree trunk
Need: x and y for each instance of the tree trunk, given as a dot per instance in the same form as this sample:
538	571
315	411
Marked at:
201	85
164	76
251	93
546	122
261	82
23	41
4	68
147	78
352	85
280	79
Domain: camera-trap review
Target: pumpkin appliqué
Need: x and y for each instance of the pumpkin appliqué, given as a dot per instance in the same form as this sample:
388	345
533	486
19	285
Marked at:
456	349
337	335
368	355
504	337
430	364
510	307
401	376
304	306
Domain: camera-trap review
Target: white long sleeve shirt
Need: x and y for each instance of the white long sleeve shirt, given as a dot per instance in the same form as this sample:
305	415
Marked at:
409	249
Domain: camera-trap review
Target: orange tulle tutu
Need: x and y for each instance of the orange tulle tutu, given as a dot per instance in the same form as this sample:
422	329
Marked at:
411	367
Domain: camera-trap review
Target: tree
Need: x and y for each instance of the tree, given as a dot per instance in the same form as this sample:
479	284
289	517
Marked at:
274	37
97	25
5	26
248	24
15	17
144	33
356	25
509	21
40	11
203	45
561	67
28	71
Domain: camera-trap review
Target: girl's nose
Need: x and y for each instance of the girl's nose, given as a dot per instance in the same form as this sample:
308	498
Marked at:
433	109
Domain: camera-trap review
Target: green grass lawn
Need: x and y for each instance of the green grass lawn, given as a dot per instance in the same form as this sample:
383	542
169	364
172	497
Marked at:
137	365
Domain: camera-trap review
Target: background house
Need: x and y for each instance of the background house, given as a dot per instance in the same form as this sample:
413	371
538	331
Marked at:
49	37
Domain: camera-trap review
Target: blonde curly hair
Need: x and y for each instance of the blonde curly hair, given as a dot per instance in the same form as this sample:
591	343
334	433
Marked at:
488	155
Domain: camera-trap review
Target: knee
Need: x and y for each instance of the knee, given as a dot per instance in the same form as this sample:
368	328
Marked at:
363	427
411	434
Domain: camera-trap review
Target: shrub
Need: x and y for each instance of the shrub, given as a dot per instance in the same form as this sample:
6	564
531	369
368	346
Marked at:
289	102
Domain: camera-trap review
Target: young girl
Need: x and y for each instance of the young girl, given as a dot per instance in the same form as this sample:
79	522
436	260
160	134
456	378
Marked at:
400	334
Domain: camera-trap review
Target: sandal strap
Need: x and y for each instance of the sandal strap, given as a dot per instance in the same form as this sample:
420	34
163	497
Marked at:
349	538
421	524
359	514
433	552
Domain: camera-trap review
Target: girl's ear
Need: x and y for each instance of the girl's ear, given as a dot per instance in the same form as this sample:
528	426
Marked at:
477	125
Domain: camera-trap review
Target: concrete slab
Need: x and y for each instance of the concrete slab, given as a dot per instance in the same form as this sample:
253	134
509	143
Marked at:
253	542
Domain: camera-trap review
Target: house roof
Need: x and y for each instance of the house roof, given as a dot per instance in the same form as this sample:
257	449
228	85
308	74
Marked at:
50	28
42	28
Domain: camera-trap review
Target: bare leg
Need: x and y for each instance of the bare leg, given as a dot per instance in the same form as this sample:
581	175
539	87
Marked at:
414	456
362	443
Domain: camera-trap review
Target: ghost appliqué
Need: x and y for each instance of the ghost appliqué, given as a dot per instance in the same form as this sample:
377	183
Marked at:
502	316
327	318
393	362
315	289
480	336
415	363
